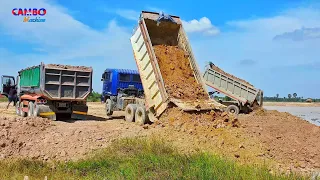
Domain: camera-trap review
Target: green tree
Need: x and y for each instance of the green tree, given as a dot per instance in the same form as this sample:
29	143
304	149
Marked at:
295	95
289	96
94	97
226	98
277	95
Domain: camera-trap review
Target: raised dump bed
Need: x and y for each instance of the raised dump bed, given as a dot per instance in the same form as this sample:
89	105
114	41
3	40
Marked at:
246	96
168	70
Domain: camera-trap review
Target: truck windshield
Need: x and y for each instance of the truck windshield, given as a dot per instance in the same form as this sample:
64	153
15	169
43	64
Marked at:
106	76
136	78
125	77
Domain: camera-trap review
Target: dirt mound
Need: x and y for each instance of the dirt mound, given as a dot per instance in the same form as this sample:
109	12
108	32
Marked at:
288	138
16	132
197	122
61	66
216	68
177	74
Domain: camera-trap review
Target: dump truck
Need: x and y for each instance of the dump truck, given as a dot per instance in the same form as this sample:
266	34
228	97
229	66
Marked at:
161	29
50	90
245	96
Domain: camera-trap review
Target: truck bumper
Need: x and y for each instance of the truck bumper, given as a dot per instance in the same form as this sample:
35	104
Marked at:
79	112
47	112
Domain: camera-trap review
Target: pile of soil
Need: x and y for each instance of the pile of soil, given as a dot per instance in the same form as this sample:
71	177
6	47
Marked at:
216	68
177	74
197	122
16	132
69	67
288	138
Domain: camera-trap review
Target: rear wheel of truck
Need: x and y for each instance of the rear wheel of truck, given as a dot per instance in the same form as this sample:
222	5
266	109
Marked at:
35	110
30	109
130	112
18	108
233	109
22	113
109	110
141	116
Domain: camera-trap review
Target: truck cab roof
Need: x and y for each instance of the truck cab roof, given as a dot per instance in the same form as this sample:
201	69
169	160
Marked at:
124	71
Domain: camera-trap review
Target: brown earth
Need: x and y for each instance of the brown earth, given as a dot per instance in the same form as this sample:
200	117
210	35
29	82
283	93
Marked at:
177	74
279	140
216	68
288	138
61	66
39	138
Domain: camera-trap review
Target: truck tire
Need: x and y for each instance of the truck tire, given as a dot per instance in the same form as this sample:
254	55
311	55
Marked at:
30	109
141	116
233	109
18	108
22	113
109	109
36	110
130	112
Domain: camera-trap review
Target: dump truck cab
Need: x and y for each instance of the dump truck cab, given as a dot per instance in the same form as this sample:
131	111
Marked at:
116	79
7	82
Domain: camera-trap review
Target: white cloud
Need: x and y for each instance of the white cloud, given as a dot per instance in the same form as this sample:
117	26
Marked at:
253	39
128	14
300	34
202	25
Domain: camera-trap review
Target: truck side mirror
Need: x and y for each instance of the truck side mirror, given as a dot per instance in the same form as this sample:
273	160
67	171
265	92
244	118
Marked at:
101	79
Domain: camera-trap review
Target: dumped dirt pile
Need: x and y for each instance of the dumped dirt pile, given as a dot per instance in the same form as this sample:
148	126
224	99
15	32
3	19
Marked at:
216	68
42	139
288	138
16	132
197	122
177	74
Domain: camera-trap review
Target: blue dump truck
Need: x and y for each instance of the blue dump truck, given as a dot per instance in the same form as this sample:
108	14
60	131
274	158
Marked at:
120	88
116	79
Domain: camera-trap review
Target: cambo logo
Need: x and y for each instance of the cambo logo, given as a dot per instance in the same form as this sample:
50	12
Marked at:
30	12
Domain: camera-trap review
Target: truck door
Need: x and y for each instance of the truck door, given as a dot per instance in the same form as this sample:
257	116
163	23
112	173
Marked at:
7	82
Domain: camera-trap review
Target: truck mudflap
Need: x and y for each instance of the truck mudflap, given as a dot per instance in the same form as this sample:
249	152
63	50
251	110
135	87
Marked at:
204	105
47	112
79	112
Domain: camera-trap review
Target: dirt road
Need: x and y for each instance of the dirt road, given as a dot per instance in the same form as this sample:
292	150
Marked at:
40	138
281	140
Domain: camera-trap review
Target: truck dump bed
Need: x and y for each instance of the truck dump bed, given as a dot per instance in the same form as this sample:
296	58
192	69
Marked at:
158	50
232	86
57	82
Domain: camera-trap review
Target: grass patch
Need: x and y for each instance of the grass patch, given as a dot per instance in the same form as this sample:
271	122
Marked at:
3	99
138	159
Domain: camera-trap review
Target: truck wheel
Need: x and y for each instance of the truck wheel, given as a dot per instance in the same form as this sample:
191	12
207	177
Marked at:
35	110
109	110
233	109
22	113
30	109
141	116
130	112
18	108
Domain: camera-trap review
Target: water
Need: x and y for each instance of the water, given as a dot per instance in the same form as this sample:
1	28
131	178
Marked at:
311	114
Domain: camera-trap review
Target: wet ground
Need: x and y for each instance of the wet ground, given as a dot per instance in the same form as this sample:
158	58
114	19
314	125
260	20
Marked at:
311	114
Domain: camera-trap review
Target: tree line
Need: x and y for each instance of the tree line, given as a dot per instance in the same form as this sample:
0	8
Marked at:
289	98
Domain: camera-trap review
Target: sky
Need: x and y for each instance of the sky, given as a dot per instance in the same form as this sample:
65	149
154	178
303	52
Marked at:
273	44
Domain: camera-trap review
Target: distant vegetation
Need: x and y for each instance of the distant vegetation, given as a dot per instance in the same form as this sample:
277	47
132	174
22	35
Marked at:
289	98
94	97
138	159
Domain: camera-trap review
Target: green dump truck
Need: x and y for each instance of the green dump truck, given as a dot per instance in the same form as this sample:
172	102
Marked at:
51	90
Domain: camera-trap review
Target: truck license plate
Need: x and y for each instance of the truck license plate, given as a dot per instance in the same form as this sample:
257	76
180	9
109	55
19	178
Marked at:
62	104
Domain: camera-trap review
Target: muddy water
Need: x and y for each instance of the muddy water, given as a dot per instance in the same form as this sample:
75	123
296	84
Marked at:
311	114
